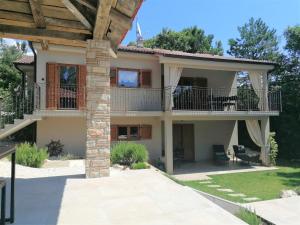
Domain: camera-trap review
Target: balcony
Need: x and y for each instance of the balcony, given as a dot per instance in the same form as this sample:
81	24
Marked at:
222	99
70	100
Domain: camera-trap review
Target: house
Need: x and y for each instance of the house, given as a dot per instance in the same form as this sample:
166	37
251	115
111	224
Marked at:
178	104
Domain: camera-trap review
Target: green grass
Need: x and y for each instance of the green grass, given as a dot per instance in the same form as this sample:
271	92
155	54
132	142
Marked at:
264	185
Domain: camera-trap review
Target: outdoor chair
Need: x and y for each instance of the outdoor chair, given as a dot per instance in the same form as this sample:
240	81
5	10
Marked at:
3	198
220	155
241	153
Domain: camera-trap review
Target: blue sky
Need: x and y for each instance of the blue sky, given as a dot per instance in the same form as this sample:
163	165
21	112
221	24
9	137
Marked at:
218	17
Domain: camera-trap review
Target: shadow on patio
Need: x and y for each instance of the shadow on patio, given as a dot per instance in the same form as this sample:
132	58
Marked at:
202	169
38	200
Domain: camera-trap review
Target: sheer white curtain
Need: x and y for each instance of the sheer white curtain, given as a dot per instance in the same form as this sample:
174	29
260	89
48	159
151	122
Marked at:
255	132
172	77
257	84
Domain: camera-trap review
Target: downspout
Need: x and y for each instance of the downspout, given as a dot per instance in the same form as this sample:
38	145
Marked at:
34	62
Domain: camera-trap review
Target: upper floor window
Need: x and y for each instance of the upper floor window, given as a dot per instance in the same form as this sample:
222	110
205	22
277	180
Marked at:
128	78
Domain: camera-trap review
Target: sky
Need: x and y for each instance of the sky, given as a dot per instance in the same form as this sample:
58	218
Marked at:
218	17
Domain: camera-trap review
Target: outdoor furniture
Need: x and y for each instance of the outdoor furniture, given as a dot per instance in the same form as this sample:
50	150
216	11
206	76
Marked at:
220	155
6	149
3	201
244	154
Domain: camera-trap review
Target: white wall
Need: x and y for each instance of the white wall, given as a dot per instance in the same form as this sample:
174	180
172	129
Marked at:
215	78
70	131
209	133
154	144
151	63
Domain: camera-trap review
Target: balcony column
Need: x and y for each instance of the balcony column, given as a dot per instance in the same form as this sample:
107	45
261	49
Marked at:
265	91
265	132
168	143
97	109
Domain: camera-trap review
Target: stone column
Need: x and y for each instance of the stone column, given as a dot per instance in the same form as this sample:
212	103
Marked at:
97	109
168	144
265	150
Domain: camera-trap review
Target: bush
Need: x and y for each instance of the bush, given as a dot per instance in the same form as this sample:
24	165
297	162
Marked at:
30	155
249	217
127	153
55	148
273	148
140	165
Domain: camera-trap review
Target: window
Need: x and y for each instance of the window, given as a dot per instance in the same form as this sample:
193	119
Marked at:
131	132
122	133
128	78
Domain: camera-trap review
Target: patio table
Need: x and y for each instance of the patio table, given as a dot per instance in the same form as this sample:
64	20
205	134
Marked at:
8	148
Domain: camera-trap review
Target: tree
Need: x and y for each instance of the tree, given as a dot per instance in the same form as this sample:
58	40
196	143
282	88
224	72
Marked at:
256	41
287	124
190	40
9	76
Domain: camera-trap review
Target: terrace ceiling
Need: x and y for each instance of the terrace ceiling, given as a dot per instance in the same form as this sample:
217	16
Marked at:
67	22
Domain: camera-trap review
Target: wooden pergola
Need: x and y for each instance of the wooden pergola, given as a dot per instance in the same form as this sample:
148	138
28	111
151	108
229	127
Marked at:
67	22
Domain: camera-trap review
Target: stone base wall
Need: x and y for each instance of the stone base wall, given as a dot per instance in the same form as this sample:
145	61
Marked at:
98	109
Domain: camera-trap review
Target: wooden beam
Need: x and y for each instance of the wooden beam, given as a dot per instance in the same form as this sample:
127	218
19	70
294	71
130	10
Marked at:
45	45
88	4
102	18
25	20
37	13
40	34
120	18
77	13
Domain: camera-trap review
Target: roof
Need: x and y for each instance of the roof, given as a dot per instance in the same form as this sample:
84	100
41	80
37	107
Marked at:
197	56
25	60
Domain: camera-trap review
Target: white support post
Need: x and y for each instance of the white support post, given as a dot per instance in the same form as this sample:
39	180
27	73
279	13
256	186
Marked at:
265	91
168	144
265	150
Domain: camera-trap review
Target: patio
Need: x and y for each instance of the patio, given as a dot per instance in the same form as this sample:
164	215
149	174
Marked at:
201	170
61	195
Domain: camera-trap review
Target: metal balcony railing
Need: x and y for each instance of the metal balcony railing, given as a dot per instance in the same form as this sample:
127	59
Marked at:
222	99
22	101
136	99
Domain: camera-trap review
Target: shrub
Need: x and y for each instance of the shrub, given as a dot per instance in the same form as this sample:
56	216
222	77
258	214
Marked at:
30	155
55	148
273	148
249	217
139	165
127	153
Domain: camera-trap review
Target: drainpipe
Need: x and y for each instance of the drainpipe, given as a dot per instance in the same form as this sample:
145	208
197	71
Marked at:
34	62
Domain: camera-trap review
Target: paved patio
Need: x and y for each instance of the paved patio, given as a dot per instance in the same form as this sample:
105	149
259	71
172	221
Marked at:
51	196
284	211
201	170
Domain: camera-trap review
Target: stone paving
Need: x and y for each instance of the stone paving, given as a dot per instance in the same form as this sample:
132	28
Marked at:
62	196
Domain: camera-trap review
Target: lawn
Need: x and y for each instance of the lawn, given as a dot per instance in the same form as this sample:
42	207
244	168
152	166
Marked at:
264	185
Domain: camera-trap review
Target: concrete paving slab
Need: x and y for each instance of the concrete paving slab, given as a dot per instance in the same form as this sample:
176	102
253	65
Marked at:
205	182
251	199
237	195
214	186
284	211
225	190
62	196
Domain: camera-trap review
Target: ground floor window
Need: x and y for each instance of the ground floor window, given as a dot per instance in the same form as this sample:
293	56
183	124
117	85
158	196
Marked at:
130	132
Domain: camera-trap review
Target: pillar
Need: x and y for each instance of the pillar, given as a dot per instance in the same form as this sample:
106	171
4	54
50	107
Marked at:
97	109
168	144
265	150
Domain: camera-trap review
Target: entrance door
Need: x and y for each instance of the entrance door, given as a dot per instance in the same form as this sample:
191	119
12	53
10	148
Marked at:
183	142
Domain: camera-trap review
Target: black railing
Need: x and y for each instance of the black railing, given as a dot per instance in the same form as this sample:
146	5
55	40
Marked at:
15	105
222	99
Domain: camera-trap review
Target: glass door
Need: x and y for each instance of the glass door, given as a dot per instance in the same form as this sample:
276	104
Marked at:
68	86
